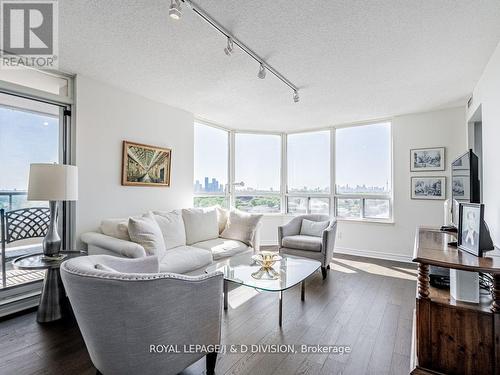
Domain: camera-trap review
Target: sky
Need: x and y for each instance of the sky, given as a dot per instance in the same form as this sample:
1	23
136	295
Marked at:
363	156
25	138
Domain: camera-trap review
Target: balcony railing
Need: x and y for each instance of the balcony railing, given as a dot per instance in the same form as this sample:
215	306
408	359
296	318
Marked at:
7	199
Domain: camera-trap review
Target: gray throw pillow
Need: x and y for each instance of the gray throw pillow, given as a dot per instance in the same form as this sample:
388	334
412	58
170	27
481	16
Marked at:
313	228
241	227
146	232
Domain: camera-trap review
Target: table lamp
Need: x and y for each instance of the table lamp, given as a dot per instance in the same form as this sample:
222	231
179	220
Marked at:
53	183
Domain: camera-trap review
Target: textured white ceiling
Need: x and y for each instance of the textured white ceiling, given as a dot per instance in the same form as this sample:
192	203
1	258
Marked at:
353	60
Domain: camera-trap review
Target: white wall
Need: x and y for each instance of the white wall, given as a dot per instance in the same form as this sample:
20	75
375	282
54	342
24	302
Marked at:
395	241
106	116
487	95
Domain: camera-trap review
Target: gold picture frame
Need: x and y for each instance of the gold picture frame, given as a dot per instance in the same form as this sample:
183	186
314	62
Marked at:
146	165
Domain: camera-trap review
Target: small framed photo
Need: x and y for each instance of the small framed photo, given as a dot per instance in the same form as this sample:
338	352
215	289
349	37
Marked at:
428	188
469	228
427	159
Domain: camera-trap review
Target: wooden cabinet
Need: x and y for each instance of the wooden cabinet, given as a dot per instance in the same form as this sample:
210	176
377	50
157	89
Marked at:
454	337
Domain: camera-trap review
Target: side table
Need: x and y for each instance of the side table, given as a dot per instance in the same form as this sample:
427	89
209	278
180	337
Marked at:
53	293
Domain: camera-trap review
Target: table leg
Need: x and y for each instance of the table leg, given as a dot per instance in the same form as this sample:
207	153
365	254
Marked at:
50	307
281	307
303	291
225	294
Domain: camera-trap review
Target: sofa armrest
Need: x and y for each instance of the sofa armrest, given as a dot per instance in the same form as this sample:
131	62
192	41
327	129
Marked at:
114	245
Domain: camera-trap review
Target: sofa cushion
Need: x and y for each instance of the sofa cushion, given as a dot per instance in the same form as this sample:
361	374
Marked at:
117	228
313	228
302	242
241	226
184	259
221	247
201	225
146	232
172	228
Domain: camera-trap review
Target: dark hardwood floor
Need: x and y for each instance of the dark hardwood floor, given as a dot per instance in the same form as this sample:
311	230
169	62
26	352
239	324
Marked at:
365	304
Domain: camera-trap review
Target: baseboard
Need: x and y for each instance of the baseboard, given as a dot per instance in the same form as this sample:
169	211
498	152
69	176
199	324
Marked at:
359	253
374	254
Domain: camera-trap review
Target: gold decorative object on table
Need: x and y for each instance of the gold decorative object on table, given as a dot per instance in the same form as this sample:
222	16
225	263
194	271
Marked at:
266	260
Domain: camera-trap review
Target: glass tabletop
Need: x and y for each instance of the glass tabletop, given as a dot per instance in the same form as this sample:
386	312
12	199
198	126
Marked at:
288	271
37	261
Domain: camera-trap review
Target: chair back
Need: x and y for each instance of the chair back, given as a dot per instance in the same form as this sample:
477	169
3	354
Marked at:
22	224
124	307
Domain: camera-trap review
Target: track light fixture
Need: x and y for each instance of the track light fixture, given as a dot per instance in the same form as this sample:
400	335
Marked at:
296	97
262	71
229	49
175	11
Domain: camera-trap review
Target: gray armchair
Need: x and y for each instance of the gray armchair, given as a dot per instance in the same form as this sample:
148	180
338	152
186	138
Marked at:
128	313
291	242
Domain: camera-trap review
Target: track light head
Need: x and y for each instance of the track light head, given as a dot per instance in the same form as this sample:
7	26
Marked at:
296	97
175	11
229	49
262	71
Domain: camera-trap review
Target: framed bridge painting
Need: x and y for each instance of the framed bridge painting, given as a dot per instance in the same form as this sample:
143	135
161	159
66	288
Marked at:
145	165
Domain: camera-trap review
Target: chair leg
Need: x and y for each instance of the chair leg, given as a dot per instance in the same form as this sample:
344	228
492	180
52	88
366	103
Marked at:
211	360
328	267
324	272
97	372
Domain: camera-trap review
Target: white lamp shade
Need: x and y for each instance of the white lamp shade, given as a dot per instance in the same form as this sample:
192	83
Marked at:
53	182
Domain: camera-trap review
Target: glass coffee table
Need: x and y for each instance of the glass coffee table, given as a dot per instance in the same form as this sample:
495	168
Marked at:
291	270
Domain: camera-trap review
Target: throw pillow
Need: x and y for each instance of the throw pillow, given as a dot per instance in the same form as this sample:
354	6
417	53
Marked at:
222	217
117	228
241	227
201	225
172	228
146	232
313	228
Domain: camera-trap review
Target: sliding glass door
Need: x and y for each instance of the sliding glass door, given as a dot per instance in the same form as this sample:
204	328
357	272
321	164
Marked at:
31	131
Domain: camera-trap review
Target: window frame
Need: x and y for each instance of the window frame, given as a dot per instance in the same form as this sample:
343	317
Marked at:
364	196
234	193
231	193
226	194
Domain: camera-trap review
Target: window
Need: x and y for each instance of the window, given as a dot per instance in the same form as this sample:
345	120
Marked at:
363	171
308	172
257	166
210	166
31	131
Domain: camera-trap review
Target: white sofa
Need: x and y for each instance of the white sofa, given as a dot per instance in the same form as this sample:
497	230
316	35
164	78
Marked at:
192	238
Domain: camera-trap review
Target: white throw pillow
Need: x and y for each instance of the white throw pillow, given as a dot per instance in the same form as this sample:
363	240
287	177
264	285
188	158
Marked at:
313	228
201	225
146	232
241	226
117	228
103	267
222	217
172	228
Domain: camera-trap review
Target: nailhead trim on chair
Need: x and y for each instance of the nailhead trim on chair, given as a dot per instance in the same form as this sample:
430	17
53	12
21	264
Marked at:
135	276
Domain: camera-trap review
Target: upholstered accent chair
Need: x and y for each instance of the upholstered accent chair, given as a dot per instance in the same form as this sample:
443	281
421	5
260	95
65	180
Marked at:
127	311
293	241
